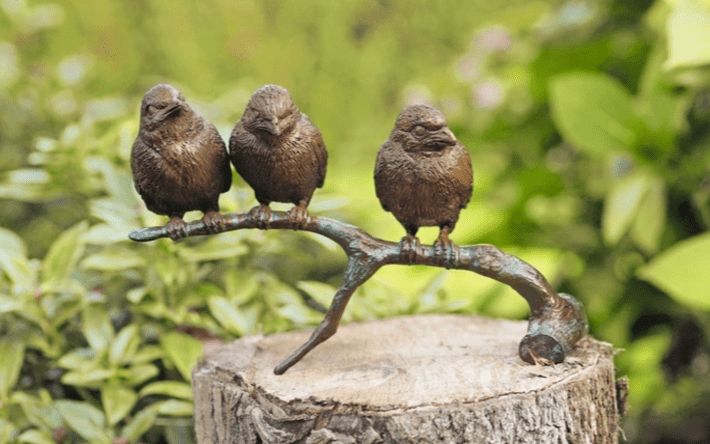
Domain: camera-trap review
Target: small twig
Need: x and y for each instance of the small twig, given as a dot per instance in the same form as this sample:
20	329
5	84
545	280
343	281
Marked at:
557	321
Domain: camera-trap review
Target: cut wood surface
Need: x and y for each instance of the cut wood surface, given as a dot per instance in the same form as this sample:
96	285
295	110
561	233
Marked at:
428	379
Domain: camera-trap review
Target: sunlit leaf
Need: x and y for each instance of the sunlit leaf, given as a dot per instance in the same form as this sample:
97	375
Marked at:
147	353
88	378
13	355
228	316
226	246
299	314
84	419
318	291
96	326
140	423
8	304
39	410
114	212
174	389
35	436
651	218
102	234
77	359
642	358
138	374
688	35
183	350
11	244
64	254
621	207
124	346
117	401
173	407
682	272
594	112
113	260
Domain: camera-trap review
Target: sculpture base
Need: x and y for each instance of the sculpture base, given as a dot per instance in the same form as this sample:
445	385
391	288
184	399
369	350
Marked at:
428	379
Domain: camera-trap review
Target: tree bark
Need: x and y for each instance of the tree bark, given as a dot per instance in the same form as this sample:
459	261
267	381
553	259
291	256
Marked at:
418	379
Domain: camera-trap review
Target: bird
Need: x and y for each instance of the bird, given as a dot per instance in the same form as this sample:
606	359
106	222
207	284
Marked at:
423	176
278	151
179	161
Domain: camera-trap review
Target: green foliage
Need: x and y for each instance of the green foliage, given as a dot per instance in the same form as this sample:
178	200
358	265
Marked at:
588	128
594	112
682	271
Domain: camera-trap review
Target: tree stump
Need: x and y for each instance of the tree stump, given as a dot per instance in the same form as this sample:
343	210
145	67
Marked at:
418	379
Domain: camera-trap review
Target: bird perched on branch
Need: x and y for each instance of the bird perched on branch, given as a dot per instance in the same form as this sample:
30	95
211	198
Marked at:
279	153
179	161
423	176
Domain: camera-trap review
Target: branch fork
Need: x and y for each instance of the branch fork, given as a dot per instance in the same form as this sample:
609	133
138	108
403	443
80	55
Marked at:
557	321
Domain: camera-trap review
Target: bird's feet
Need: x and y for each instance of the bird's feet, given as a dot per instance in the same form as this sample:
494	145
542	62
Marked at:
298	216
214	222
177	228
444	248
408	247
261	215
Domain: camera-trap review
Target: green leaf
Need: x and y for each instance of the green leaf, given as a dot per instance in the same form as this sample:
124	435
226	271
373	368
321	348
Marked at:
183	350
642	362
173	407
318	291
216	248
621	207
88	378
650	220
63	254
12	244
688	30
7	431
228	316
39	411
138	374
117	401
97	327
84	419
8	304
594	112
103	234
137	294
174	389
124	346
300	314
140	423
80	358
113	260
147	353
35	436
13	355
682	272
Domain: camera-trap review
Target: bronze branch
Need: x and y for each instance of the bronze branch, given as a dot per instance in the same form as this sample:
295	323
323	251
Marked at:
557	321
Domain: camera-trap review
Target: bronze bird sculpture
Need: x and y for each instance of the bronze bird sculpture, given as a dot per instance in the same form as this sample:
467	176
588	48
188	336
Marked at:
423	176
279	153
179	161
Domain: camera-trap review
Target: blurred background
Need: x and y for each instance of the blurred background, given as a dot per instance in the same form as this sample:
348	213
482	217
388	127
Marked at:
587	124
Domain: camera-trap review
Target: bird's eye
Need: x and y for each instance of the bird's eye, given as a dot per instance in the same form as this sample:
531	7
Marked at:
149	108
419	131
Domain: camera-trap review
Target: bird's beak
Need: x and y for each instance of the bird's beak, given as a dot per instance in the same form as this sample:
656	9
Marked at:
173	108
443	137
272	126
